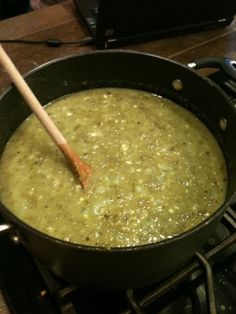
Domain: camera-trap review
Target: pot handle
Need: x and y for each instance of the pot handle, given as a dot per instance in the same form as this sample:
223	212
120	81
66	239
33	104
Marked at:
14	236
226	64
5	227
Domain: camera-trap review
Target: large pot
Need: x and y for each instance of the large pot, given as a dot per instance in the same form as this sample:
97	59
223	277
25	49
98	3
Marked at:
121	268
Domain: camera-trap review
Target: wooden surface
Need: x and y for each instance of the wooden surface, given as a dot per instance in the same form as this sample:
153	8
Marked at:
3	307
61	21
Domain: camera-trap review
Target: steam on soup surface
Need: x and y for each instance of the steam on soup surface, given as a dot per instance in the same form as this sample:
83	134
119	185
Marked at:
157	170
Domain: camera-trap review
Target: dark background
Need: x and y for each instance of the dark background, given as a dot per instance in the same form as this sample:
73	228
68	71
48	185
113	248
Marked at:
9	8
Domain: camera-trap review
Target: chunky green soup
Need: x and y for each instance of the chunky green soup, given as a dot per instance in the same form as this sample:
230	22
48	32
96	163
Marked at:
157	170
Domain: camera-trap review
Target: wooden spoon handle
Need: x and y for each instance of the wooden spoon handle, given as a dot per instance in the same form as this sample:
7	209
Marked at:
30	98
79	166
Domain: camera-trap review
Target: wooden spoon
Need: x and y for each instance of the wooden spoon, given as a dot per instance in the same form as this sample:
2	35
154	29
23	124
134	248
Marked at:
81	169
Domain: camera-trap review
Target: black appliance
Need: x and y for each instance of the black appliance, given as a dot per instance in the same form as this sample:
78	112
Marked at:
113	23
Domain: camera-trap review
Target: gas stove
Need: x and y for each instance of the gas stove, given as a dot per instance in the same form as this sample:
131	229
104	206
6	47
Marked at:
206	285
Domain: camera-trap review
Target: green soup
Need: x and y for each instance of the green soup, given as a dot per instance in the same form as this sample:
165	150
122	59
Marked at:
157	170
